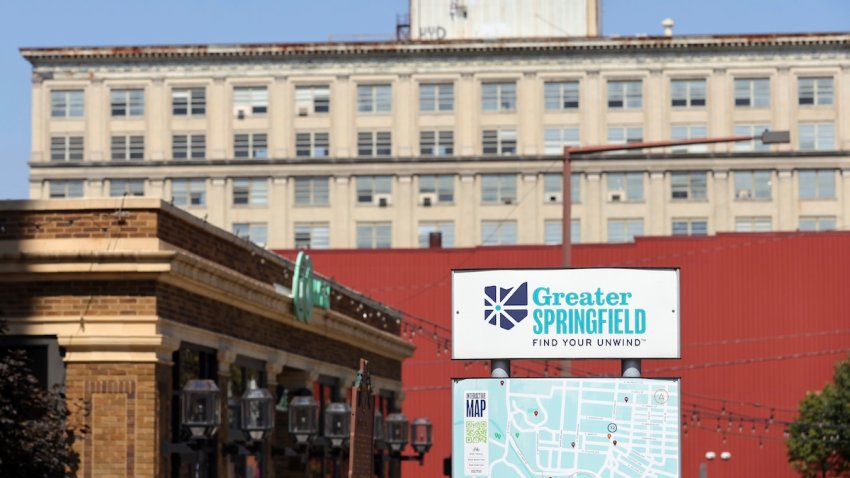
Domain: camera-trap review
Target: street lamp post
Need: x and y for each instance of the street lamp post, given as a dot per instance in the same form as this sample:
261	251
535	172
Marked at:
631	367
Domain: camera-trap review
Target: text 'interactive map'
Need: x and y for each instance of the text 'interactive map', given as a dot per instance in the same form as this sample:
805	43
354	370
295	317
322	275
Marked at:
565	427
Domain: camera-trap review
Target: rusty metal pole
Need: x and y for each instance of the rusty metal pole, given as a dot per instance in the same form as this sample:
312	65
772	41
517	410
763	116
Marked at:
566	201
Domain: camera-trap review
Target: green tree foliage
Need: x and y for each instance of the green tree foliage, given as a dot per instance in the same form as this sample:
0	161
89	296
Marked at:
819	440
36	434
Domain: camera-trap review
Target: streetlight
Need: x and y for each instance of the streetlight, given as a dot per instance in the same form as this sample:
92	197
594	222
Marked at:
399	432
200	413
710	456
257	407
303	419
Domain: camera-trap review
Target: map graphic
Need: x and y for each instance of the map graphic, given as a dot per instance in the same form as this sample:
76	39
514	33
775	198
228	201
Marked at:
565	427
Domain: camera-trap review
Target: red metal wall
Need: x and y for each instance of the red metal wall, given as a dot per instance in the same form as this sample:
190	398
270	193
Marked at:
764	319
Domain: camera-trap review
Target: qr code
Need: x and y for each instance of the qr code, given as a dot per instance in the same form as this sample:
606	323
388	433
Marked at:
476	432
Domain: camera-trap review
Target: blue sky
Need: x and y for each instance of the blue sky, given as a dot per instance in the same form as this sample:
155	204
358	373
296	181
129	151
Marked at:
145	22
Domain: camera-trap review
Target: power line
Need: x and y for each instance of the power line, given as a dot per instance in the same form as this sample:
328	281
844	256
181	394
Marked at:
730	363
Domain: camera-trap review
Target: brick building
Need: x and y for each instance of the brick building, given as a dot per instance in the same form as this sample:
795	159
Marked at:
124	300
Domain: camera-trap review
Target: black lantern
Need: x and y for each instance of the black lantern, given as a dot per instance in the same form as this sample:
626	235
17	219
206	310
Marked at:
337	423
420	435
201	407
397	429
257	412
303	419
378	431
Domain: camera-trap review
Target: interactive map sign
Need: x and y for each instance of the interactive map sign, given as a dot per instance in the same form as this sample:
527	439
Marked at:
565	313
565	427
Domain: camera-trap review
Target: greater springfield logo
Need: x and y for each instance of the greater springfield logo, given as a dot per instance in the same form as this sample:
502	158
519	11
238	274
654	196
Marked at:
573	313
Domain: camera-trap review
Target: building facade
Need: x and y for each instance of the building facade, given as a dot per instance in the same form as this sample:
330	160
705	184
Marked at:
373	145
123	301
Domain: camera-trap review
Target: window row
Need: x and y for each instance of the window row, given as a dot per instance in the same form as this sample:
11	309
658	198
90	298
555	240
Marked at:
496	96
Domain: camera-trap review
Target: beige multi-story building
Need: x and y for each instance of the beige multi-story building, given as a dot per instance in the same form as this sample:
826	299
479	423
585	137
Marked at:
376	144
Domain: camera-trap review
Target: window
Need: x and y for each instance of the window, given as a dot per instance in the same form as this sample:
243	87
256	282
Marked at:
66	104
374	98
625	94
129	187
753	92
250	100
374	143
256	232
625	134
370	189
436	143
555	139
687	93
625	187
311	191
751	185
250	145
127	102
688	186
690	227
374	235
126	148
189	192
817	184
624	230
498	96
553	186
188	101
68	188
436	97
689	131
311	100
817	223
751	130
817	136
312	235
498	188
753	224
66	148
312	145
445	228
499	141
189	146
250	192
560	95
553	230
441	189
498	233
815	91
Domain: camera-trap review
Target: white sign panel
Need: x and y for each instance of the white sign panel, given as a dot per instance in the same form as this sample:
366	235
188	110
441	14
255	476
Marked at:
565	313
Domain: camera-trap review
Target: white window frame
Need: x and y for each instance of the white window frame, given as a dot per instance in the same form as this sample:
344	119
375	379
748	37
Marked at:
370	186
65	188
753	224
130	187
436	97
442	186
254	190
445	228
816	136
499	142
312	144
555	139
311	100
752	92
374	144
312	191
749	129
628	185
189	102
189	192
625	134
316	235
439	142
753	185
250	101
375	98
67	148
625	94
553	187
689	226
815	91
129	147
187	146
687	93
561	95
379	232
127	102
498	188
553	231
816	184
680	132
626	229
818	223
498	96
499	233
250	145
689	185
256	232
67	103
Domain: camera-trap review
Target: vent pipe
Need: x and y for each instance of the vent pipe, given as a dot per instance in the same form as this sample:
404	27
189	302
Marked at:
668	25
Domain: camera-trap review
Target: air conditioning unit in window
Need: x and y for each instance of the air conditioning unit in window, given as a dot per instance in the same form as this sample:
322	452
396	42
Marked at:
554	197
616	196
427	199
303	111
241	112
381	200
508	200
743	194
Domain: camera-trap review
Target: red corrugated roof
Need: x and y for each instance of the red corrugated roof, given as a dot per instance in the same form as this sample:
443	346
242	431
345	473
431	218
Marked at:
764	319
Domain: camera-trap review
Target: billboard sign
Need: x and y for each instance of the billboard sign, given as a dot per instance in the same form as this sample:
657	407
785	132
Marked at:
565	313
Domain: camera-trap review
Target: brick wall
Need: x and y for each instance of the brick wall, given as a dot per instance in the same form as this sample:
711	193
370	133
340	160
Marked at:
97	298
17	225
124	417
